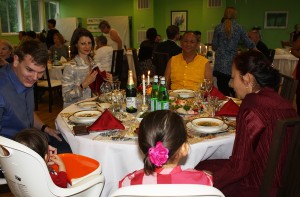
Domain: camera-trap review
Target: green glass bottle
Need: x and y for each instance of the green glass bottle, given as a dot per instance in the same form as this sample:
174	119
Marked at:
55	59
131	106
154	94
163	95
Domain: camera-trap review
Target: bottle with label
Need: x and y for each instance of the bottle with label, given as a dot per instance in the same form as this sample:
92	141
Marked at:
163	96
154	94
131	106
55	59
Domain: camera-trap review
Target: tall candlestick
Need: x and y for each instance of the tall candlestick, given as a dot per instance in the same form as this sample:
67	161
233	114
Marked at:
148	79
206	49
200	50
144	85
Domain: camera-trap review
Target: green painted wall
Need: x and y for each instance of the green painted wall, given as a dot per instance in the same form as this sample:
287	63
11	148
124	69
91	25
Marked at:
200	17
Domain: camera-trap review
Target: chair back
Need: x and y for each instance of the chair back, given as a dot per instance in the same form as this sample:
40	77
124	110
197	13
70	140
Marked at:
117	62
271	55
290	177
136	66
288	87
160	61
27	174
177	190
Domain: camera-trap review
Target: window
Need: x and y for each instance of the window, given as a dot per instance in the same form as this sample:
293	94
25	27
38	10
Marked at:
11	14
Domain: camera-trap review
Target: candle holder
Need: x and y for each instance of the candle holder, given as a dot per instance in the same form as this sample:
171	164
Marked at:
144	107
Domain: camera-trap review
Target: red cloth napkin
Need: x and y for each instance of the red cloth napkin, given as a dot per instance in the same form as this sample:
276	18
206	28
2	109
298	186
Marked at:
106	122
95	86
215	92
229	109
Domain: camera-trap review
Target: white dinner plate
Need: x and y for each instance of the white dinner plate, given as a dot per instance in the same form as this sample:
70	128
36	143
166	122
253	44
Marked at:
86	116
190	126
88	105
184	93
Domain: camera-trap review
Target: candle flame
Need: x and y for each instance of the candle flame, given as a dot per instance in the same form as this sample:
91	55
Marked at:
143	76
148	72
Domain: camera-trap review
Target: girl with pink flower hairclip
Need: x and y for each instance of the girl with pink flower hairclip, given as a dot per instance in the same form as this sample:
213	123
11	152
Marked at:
162	138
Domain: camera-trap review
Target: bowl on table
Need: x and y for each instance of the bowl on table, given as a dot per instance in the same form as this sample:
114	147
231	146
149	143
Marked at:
207	124
86	116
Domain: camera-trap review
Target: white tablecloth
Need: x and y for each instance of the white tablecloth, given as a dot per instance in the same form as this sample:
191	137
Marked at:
285	62
118	158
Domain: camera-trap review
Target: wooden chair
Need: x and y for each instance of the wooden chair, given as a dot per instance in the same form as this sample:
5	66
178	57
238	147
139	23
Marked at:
290	177
47	84
119	67
288	87
160	60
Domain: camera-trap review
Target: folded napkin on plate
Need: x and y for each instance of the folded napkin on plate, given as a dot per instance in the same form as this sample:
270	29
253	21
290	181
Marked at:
215	92
230	108
95	86
106	122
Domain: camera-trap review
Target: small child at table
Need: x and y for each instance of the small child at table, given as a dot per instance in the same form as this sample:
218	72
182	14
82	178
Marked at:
162	137
37	141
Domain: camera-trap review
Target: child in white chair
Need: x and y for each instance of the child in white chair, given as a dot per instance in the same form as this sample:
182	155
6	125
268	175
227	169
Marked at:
37	141
162	137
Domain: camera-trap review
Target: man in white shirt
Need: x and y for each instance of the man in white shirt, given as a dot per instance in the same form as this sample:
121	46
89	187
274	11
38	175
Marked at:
103	54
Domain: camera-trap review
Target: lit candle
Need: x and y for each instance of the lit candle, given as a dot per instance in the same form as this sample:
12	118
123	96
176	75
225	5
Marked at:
144	85
148	79
200	50
69	51
206	49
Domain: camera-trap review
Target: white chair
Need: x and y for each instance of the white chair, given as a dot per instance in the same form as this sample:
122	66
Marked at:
183	190
27	174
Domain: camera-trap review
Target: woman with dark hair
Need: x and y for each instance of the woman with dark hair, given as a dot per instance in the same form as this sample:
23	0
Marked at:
59	47
79	74
227	35
147	48
254	80
163	140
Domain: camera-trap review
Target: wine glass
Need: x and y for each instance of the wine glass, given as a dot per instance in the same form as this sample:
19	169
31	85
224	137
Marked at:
208	84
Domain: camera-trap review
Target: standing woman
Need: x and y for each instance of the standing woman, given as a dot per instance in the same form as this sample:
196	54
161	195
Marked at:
227	36
296	52
6	53
188	69
79	74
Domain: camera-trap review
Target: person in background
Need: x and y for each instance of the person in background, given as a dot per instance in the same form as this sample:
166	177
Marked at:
158	38
226	38
6	53
80	73
38	142
21	35
259	44
170	46
51	31
113	38
145	55
16	93
162	138
295	34
188	69
31	34
59	46
201	49
103	54
254	80
295	50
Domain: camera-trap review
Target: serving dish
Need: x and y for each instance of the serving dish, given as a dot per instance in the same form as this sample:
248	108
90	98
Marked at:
87	116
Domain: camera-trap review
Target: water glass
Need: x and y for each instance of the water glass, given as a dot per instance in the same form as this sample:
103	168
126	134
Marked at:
212	105
116	85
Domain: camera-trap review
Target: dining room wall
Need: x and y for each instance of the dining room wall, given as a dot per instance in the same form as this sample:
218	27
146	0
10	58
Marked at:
200	17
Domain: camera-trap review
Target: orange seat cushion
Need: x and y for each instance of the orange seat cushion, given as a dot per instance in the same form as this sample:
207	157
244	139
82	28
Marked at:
77	166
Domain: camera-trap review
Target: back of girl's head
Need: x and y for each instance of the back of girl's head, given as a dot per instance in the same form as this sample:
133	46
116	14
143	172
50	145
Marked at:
77	34
257	64
161	126
33	139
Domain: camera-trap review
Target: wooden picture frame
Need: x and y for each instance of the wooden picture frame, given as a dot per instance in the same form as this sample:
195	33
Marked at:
180	19
276	20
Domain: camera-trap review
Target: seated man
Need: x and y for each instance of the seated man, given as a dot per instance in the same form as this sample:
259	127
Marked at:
103	54
16	93
262	47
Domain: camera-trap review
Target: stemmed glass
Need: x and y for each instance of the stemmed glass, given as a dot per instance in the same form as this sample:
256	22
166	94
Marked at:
206	86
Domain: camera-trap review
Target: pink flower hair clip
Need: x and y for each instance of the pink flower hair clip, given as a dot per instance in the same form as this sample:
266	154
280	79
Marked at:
158	155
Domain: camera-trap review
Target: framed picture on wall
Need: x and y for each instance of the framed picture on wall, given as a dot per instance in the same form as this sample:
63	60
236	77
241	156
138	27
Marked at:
180	19
276	19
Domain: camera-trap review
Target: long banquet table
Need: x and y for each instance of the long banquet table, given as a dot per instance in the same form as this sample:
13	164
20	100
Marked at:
285	62
118	158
